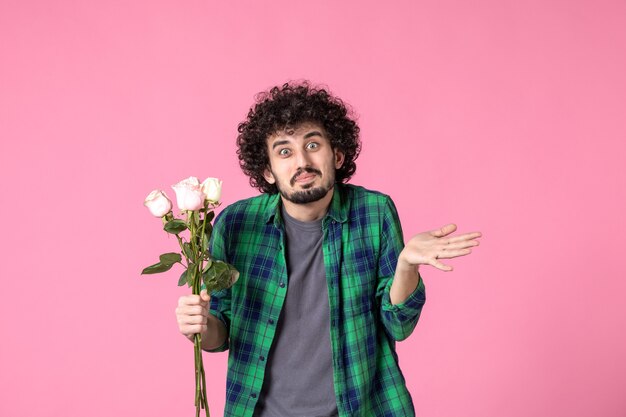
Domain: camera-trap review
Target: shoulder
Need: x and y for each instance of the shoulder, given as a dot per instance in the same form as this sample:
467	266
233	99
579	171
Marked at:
248	210
363	199
246	205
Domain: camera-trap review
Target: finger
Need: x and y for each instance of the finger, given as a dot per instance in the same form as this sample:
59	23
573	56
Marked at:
204	295
194	320
453	253
190	320
196	310
187	300
443	231
460	245
188	311
190	330
440	265
465	236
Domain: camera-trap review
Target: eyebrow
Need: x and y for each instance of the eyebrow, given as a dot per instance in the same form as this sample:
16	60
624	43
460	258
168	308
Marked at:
286	142
313	133
279	143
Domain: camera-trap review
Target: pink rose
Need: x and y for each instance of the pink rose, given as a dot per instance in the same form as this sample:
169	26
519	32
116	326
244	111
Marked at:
189	195
158	203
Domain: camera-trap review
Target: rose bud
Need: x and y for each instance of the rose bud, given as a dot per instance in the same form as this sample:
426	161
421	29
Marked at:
212	187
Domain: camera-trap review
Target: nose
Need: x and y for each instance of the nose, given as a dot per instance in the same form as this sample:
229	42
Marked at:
302	159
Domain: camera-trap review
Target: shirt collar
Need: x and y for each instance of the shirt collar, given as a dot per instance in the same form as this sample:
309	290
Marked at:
338	209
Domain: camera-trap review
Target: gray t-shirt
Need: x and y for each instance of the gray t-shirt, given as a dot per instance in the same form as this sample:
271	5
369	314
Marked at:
299	373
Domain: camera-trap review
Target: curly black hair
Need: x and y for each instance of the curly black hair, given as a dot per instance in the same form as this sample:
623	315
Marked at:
287	107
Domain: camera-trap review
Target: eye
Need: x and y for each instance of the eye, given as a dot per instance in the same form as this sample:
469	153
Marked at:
284	152
312	145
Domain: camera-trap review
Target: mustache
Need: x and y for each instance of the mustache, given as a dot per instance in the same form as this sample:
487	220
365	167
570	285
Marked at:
300	171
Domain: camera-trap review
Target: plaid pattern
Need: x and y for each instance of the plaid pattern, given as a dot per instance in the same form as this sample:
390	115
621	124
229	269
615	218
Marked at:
361	244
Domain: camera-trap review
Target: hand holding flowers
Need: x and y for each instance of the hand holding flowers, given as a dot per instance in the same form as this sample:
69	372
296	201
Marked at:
196	201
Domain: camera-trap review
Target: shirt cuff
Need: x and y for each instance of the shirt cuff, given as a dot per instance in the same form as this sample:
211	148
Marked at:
413	303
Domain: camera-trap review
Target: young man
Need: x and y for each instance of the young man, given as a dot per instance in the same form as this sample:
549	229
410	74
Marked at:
327	285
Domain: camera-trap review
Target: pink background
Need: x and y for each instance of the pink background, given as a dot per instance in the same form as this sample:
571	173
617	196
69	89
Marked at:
507	117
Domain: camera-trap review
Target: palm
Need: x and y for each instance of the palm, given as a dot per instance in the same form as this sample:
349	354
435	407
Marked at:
428	247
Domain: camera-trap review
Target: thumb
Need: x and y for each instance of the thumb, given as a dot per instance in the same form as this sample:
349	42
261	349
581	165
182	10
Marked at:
204	295
445	230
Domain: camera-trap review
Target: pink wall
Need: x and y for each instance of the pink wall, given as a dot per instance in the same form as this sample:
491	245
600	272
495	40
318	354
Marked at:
506	117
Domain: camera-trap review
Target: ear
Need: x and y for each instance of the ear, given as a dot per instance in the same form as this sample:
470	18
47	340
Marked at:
269	177
340	157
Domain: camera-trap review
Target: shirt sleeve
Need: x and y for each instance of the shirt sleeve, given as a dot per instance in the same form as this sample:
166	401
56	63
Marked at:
219	305
399	320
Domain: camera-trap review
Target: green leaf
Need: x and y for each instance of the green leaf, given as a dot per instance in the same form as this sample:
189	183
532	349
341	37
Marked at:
220	267
170	258
187	250
205	242
156	268
190	276
208	278
207	265
175	226
183	279
209	217
217	276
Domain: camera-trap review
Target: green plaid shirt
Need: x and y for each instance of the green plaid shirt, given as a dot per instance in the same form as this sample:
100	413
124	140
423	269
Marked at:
362	240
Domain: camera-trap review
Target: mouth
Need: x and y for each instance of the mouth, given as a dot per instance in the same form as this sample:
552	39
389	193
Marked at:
302	179
305	177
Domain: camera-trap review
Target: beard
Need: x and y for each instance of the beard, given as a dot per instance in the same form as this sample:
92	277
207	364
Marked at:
310	194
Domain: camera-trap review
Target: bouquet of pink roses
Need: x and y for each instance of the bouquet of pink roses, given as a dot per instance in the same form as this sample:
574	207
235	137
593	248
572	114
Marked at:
196	202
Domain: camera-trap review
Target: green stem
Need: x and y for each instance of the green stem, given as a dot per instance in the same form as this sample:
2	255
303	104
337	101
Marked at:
192	242
200	380
198	404
196	371
200	397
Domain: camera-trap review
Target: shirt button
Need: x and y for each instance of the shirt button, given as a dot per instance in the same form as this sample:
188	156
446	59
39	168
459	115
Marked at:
262	357
270	321
281	285
253	395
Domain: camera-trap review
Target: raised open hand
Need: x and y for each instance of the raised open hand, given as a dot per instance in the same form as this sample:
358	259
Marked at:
428	247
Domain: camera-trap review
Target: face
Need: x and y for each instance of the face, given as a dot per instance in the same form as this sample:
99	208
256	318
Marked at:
302	163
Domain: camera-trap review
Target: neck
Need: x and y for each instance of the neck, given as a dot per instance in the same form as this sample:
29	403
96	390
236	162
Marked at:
310	211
